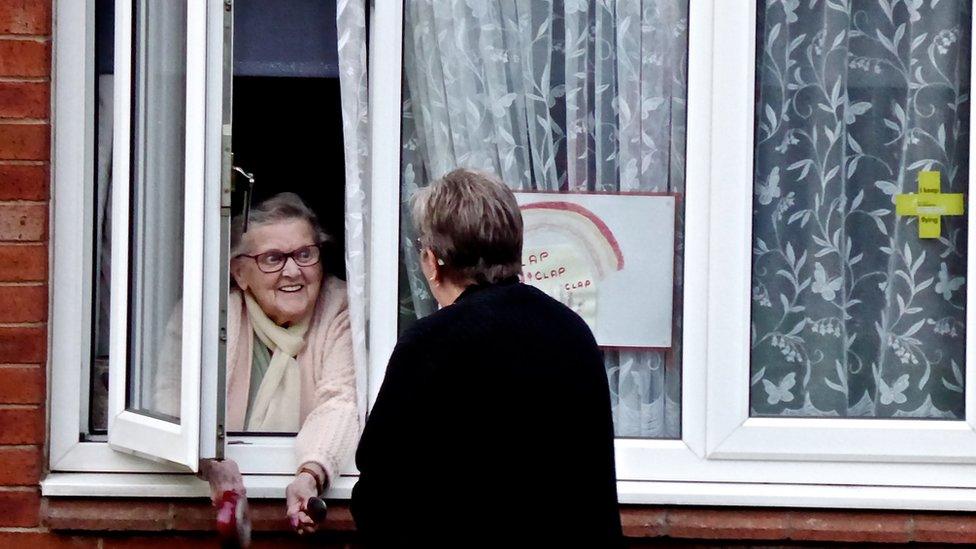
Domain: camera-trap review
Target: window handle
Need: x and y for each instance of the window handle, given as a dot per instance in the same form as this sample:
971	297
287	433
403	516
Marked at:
247	193
248	175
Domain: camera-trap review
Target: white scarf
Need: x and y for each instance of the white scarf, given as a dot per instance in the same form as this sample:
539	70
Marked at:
276	406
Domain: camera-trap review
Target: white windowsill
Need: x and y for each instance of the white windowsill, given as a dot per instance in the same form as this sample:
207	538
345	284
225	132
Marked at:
639	493
170	485
797	495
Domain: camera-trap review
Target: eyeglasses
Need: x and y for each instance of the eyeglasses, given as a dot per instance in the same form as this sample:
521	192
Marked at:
274	261
420	250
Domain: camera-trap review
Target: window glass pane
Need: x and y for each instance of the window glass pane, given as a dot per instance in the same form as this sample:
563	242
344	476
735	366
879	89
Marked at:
577	97
858	309
156	202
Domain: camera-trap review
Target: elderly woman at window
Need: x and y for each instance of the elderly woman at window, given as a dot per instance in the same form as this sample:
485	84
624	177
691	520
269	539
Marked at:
289	353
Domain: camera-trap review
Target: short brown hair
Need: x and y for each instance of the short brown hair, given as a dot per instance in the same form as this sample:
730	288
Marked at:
471	221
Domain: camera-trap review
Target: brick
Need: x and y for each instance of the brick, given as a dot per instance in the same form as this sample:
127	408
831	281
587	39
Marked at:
954	528
340	517
107	515
46	540
269	516
266	516
851	526
25	99
278	540
25	17
23	303
323	539
23	263
21	385
727	524
641	522
22	425
260	541
25	58
24	182
199	515
21	466
25	141
22	345
19	508
193	515
23	222
162	541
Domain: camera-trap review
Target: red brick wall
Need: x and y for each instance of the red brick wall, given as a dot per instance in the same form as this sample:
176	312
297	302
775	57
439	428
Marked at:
25	89
27	520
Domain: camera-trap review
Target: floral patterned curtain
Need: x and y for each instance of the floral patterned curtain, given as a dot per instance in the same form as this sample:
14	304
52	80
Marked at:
853	313
351	32
555	95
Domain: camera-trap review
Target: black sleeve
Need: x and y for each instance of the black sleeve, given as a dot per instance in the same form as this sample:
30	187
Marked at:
386	456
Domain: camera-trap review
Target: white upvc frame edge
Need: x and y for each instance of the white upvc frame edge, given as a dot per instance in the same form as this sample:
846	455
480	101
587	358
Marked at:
215	242
634	455
731	433
72	119
385	71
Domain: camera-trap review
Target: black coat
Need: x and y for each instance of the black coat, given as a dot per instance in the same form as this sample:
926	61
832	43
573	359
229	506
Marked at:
492	428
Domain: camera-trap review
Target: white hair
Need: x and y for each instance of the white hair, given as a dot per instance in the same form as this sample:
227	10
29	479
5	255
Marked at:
280	207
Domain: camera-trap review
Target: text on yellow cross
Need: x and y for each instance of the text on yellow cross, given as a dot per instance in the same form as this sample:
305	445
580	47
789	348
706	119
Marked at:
929	205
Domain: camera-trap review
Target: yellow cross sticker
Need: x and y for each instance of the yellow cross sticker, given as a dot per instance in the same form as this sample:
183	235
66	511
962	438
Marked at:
929	205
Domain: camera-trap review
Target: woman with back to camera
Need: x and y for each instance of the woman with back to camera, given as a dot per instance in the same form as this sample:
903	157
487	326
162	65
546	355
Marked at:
493	425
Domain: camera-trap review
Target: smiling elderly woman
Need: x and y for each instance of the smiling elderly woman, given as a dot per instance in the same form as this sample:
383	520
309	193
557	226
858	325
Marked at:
289	352
289	360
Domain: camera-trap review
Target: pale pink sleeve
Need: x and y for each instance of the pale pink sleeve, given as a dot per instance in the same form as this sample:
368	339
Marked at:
329	434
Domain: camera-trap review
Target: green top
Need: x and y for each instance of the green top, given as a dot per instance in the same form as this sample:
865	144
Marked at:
260	359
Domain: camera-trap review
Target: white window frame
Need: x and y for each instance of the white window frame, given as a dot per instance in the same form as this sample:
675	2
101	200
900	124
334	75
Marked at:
701	468
723	457
73	222
73	185
93	468
732	434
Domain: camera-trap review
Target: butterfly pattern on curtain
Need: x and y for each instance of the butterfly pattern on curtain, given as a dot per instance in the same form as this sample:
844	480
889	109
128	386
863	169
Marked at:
554	95
853	314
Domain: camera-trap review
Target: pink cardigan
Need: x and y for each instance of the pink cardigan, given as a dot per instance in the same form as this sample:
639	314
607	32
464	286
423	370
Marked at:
329	418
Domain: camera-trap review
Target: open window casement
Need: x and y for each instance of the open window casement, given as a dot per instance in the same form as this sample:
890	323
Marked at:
169	229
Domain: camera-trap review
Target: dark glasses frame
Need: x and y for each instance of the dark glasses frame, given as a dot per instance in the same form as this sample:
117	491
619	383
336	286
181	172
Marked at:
286	256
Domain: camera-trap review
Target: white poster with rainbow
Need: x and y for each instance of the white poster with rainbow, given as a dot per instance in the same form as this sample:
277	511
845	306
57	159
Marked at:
609	257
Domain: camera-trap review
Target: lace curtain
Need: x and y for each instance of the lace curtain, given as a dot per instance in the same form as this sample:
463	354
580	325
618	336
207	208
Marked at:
554	95
853	313
351	32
